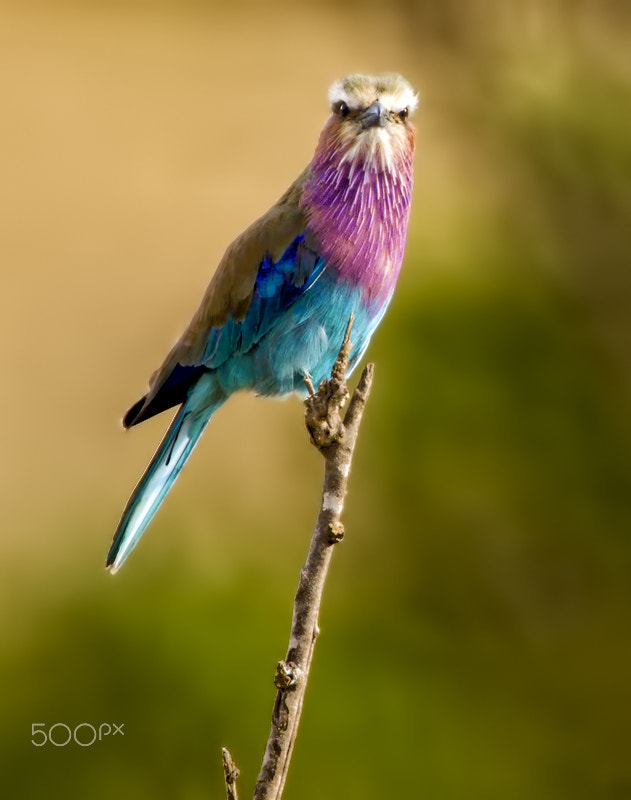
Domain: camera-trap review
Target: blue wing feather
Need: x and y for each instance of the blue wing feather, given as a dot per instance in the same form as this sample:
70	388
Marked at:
278	285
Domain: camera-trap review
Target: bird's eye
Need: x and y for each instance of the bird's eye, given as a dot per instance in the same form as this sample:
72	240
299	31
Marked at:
341	108
403	115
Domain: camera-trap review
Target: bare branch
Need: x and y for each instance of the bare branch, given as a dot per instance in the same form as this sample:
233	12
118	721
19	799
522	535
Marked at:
231	773
335	438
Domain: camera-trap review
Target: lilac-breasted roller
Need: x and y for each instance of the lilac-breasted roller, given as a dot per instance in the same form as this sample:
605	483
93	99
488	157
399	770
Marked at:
278	304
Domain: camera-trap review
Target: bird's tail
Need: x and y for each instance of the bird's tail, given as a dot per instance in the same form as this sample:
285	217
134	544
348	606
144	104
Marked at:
173	452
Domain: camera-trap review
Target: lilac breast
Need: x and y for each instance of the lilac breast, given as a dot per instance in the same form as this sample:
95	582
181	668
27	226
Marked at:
358	212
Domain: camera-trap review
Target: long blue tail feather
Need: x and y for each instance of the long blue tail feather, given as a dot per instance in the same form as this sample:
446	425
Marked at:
173	452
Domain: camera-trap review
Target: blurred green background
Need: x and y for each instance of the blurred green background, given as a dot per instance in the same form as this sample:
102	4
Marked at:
476	626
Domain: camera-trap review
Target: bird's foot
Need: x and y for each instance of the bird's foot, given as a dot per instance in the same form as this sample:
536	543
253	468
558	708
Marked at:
322	416
306	377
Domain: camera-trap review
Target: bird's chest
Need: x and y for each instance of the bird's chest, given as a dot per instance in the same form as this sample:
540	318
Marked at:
363	255
359	225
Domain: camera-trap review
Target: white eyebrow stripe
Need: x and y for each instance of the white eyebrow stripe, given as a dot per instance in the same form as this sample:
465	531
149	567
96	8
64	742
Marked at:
337	94
397	101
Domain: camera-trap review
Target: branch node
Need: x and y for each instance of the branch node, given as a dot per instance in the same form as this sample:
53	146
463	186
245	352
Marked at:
336	532
287	675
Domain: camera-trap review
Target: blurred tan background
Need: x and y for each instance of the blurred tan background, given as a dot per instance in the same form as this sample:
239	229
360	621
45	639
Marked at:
475	633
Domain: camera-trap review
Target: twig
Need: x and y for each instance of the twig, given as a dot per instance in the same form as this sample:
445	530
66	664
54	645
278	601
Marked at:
335	439
231	773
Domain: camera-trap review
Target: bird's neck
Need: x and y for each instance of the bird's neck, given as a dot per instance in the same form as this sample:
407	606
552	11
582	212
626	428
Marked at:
358	208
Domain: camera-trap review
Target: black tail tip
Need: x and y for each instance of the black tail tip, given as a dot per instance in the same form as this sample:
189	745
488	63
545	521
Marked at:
133	415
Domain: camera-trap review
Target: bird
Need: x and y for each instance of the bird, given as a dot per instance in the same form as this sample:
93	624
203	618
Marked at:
274	314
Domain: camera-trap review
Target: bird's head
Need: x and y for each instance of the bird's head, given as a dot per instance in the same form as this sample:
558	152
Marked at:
370	122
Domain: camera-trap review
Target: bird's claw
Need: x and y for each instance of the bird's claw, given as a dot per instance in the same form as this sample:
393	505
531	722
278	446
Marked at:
308	383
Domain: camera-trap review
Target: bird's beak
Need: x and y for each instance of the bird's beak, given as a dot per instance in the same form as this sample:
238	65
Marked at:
373	117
